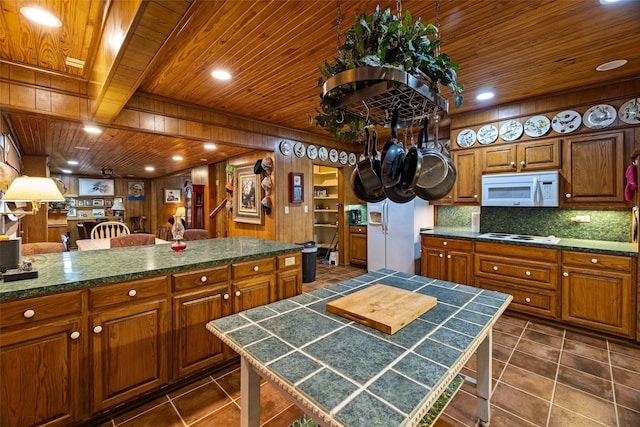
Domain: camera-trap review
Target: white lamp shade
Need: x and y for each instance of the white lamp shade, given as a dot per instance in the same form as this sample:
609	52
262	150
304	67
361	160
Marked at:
33	189
181	211
118	206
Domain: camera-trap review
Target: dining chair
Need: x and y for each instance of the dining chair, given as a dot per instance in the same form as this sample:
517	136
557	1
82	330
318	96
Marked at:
163	232
109	229
195	234
85	228
137	239
137	224
41	248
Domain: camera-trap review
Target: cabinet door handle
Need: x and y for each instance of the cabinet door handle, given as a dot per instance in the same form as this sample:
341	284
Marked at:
594	260
527	299
522	163
445	243
225	296
441	255
475	196
495	268
568	195
565	274
237	293
527	273
513	164
133	293
97	329
74	335
203	279
29	314
256	268
449	256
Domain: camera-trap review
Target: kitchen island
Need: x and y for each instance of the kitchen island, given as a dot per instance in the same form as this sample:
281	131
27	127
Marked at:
102	328
342	373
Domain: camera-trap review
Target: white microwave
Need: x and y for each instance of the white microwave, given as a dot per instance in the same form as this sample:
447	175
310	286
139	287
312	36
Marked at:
530	189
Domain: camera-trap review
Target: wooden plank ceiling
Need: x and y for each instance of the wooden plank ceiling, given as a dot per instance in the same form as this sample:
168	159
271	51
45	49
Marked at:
517	48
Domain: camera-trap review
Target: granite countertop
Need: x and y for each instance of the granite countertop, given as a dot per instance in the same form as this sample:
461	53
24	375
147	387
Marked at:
593	246
72	270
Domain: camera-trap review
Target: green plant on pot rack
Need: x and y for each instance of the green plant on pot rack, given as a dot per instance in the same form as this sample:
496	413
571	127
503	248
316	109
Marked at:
383	42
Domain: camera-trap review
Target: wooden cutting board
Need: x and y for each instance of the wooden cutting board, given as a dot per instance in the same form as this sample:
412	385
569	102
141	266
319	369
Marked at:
382	307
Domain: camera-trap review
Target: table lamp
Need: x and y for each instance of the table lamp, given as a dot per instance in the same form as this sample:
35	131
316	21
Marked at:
35	190
118	206
177	230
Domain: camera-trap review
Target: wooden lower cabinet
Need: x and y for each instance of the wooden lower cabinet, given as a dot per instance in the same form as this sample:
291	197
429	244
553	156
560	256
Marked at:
599	292
289	276
447	259
358	245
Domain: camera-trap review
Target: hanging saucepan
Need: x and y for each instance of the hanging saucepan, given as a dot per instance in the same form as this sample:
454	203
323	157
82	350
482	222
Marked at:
412	166
371	183
434	165
392	156
356	183
397	194
439	191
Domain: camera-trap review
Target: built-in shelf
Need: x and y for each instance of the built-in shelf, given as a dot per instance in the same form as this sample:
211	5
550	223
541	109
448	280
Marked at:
325	191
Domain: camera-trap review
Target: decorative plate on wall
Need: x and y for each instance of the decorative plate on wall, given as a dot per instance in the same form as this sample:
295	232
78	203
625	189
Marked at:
343	156
630	112
312	152
566	121
487	134
511	130
285	148
352	159
466	138
333	155
599	116
323	154
537	126
299	149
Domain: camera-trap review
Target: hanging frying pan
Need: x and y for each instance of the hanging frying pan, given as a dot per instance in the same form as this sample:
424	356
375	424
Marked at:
434	165
364	182
397	194
411	167
392	156
442	189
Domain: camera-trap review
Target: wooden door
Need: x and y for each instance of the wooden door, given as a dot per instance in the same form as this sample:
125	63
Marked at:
128	352
253	292
433	263
358	248
467	187
41	372
289	284
460	267
539	155
501	158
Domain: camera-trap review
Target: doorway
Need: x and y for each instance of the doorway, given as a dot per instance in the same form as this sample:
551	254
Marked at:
327	211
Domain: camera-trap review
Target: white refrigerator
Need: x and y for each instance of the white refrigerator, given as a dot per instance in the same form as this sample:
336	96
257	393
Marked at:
393	234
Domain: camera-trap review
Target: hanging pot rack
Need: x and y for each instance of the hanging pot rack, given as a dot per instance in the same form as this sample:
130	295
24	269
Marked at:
380	90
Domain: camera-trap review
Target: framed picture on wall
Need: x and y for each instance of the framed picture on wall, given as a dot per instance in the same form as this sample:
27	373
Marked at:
246	206
98	202
95	187
296	187
97	212
72	212
172	195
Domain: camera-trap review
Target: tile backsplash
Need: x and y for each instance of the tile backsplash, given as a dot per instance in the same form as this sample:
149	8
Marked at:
610	225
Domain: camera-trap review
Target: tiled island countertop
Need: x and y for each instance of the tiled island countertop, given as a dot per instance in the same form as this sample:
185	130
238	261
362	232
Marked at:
593	246
72	270
342	373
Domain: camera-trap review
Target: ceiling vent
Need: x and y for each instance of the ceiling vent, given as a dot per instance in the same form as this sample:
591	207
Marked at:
73	62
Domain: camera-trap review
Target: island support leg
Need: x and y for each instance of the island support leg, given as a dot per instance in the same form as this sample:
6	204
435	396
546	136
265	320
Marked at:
483	386
249	395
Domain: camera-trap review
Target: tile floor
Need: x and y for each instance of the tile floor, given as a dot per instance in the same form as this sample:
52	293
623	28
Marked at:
543	376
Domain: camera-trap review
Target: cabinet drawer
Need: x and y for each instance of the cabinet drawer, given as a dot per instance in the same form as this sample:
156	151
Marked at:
590	260
518	251
132	291
289	261
255	266
23	311
541	304
196	278
519	271
357	229
462	245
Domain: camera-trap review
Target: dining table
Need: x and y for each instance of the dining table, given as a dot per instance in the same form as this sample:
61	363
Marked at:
342	373
95	244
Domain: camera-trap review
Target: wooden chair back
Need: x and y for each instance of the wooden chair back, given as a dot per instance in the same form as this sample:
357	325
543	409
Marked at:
109	229
137	224
163	232
85	228
195	234
137	239
41	248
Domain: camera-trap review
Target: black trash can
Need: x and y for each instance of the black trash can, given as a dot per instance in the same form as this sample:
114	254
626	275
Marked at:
309	256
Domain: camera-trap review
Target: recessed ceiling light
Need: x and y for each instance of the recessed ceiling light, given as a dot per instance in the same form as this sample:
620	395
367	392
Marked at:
72	162
149	168
203	160
65	171
92	129
608	1
210	146
484	96
221	75
177	158
40	16
611	65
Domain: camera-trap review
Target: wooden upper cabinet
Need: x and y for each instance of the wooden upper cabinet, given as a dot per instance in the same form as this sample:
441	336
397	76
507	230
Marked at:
594	170
522	157
467	187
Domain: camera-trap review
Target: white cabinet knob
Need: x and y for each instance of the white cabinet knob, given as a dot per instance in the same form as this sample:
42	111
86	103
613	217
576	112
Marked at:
29	314
237	293
441	255
445	243
522	163
568	195
527	299
225	296
203	279
256	268
97	329
565	274
495	268
594	260
513	164
359	230
527	273
133	293
475	196
74	335
449	256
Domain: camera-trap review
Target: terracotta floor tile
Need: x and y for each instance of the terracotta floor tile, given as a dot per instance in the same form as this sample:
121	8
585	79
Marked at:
531	383
508	328
562	417
586	382
628	349
200	402
624	361
628	418
163	415
539	350
500	417
627	397
592	341
446	421
514	320
501	352
542	338
585	350
524	405
626	377
227	416
189	387
585	404
584	364
140	409
284	418
546	329
541	367
230	383
463	408
506	340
